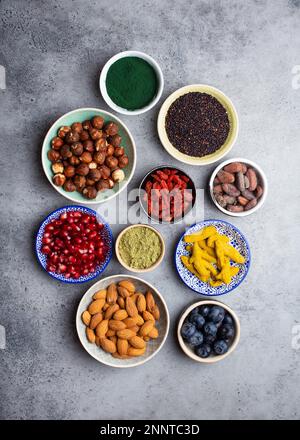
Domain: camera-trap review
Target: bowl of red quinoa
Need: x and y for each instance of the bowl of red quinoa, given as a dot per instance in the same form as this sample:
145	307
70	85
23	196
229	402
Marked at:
198	124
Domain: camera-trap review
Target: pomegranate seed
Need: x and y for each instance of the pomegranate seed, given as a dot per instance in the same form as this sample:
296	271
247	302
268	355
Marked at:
46	240
51	268
72	259
77	214
67	275
46	250
63	216
62	268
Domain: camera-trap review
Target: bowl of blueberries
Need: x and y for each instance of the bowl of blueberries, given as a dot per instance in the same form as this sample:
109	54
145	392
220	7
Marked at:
208	331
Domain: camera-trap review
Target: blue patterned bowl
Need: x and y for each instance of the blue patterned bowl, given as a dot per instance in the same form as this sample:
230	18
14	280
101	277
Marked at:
237	240
106	232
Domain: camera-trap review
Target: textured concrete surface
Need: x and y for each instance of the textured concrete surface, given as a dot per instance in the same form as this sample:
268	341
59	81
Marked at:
53	52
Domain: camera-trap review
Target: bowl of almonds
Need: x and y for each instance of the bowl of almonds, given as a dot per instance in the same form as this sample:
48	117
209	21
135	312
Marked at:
238	187
122	321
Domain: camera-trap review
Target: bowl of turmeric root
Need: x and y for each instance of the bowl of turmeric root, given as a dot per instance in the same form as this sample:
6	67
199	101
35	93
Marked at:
122	321
212	257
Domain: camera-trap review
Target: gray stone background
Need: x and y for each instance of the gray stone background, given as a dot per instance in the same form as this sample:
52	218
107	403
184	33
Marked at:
53	52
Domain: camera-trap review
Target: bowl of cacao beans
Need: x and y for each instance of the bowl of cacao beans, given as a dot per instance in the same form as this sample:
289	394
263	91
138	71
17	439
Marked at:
238	187
89	155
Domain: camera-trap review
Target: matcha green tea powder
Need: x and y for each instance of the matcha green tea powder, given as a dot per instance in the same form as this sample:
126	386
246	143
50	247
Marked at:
131	83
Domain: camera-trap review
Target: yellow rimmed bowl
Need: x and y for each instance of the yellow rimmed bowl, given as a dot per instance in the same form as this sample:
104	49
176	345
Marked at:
233	120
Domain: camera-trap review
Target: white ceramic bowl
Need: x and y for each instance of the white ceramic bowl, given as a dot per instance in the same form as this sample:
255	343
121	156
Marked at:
153	346
131	269
233	120
262	180
213	358
131	53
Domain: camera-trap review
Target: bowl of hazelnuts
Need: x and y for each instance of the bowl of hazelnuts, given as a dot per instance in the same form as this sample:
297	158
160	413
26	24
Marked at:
89	155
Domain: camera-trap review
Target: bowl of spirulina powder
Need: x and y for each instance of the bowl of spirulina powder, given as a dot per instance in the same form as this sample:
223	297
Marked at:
131	82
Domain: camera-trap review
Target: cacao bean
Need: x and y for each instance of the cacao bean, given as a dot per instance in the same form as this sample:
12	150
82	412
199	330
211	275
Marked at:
218	189
251	174
240	181
251	204
248	194
246	180
259	191
234	167
235	208
225	177
230	189
242	201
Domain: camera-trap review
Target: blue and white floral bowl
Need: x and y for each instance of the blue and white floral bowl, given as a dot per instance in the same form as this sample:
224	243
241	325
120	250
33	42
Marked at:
237	240
106	233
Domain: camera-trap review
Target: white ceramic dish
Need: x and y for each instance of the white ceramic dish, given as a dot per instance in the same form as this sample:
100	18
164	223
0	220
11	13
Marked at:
262	180
211	359
131	53
153	346
232	115
149	269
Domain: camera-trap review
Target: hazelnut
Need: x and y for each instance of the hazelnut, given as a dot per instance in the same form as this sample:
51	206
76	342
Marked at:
65	152
74	160
57	143
90	182
63	131
111	162
92	165
79	182
77	126
82	169
118	175
97	122
95	134
59	179
119	151
72	137
114	140
101	145
84	135
94	175
57	168
69	171
77	148
123	161
111	128
86	157
88	145
86	125
99	157
105	171
53	155
102	185
110	150
69	186
89	192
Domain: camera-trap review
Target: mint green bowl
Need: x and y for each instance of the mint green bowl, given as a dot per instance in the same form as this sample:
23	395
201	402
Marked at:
80	115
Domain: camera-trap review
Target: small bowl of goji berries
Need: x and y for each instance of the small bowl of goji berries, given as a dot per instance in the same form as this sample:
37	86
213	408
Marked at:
167	194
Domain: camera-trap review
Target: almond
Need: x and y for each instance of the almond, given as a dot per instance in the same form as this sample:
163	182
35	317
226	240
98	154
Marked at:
130	322
101	294
150	301
137	342
148	316
110	333
105	307
141	303
125	334
116	325
112	294
124	293
96	306
121	302
135	296
90	335
120	356
86	318
97	341
111	310
128	285
136	351
102	328
119	315
131	307
113	339
122	345
154	333
108	346
156	312
135	328
96	319
139	320
146	328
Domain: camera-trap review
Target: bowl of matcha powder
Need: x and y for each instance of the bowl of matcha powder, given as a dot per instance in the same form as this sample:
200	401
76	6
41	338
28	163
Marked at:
140	248
131	82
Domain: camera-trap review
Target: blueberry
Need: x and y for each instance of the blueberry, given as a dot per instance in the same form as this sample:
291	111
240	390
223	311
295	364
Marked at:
209	339
226	331
220	347
195	311
196	339
210	329
216	314
187	330
204	310
203	350
227	319
197	320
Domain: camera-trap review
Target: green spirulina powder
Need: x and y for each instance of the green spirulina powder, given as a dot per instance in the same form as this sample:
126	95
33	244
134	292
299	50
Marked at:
131	83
